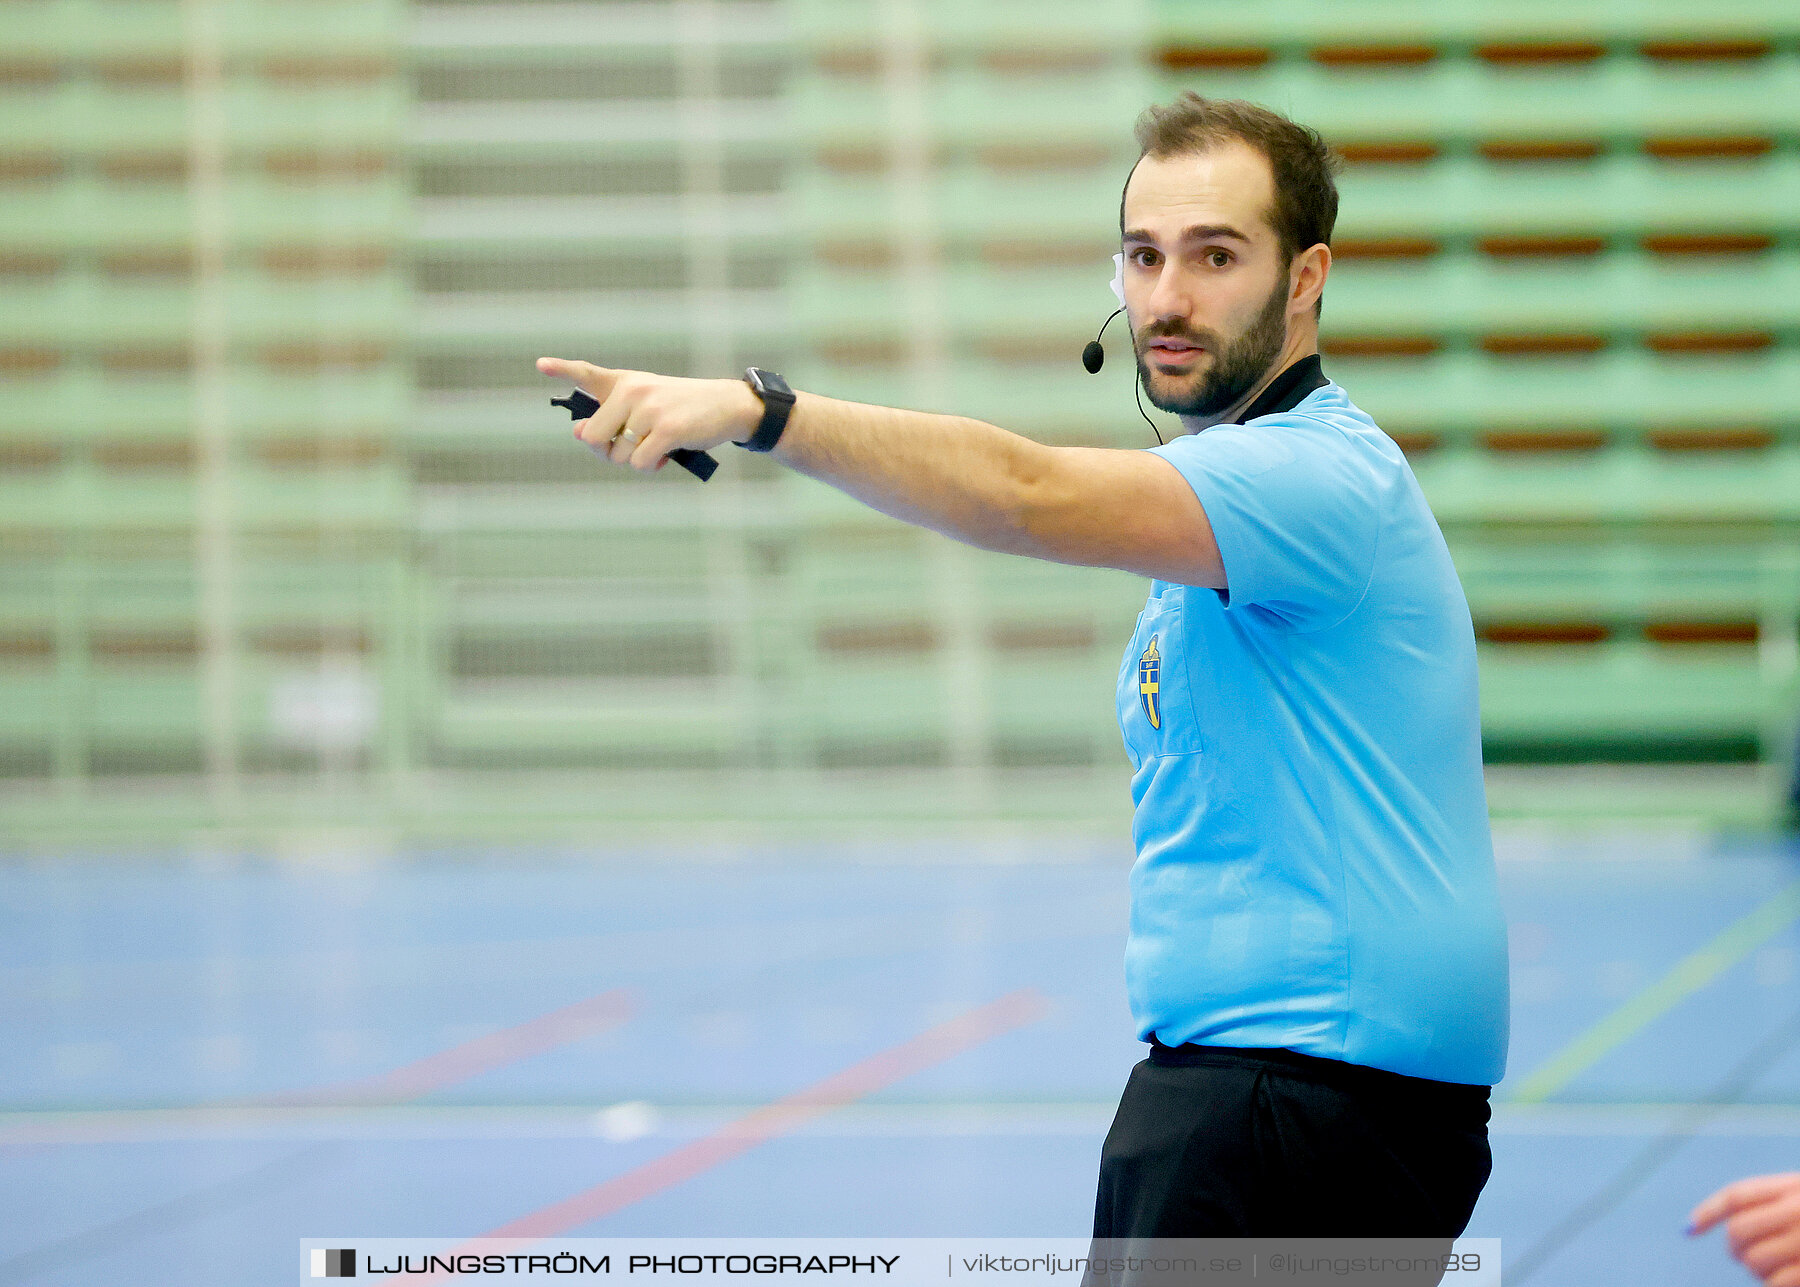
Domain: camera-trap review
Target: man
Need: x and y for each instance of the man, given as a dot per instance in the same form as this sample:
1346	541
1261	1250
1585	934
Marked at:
1316	952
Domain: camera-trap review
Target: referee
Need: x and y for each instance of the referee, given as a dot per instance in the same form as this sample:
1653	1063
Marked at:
1317	957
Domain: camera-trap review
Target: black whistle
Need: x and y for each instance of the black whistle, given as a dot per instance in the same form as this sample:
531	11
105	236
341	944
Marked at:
698	463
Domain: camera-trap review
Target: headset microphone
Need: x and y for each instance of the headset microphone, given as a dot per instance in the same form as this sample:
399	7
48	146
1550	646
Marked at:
1093	357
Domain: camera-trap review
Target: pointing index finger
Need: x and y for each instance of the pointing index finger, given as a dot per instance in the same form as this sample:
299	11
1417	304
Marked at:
596	380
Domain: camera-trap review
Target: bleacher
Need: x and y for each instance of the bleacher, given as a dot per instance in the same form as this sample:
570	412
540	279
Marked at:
204	356
292	537
1562	249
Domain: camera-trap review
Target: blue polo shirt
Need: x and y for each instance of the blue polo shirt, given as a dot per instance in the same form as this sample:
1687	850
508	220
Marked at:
1314	868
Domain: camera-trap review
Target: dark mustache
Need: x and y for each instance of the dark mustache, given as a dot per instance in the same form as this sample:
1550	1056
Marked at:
1175	331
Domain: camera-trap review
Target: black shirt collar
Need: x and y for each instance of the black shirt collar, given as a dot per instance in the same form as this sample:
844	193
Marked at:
1288	390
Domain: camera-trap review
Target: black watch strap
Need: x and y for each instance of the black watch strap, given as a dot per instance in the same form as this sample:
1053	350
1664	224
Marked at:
777	400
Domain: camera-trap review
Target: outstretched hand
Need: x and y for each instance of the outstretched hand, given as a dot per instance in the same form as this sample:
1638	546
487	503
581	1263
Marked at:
1762	1225
643	417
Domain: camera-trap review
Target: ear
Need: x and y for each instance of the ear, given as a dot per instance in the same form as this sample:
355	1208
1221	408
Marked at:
1306	277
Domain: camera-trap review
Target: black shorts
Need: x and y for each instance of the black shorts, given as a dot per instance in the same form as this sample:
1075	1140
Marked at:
1218	1142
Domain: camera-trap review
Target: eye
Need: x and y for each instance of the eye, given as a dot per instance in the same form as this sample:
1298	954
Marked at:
1218	258
1143	257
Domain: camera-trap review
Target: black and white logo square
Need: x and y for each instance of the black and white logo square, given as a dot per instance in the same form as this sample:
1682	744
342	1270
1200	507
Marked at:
330	1263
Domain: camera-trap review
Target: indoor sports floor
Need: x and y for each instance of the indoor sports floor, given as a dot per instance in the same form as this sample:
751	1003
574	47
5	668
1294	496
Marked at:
208	1059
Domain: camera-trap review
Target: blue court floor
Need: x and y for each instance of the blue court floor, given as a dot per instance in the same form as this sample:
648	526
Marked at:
206	1060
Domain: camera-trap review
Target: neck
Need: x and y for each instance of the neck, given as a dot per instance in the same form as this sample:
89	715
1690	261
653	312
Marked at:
1302	341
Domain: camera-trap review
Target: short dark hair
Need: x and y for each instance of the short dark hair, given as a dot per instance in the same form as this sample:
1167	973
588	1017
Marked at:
1304	168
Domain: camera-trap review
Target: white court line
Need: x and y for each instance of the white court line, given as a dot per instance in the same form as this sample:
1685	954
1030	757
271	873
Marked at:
867	1121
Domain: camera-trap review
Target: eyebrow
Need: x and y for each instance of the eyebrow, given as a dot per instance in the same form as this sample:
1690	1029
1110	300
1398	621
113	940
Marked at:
1198	232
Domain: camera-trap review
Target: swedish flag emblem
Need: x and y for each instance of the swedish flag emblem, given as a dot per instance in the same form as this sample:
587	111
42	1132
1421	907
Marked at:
1149	683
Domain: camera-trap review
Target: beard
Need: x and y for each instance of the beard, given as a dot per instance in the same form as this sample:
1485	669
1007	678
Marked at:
1236	367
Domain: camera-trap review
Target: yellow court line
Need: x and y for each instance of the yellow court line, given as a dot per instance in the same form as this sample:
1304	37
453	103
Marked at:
1685	978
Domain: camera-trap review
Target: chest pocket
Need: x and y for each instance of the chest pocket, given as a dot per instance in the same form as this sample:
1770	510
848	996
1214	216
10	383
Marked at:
1157	712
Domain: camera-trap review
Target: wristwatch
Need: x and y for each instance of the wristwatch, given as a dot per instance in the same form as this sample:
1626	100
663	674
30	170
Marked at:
777	400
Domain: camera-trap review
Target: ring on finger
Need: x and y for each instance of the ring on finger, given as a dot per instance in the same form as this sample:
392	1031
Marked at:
629	435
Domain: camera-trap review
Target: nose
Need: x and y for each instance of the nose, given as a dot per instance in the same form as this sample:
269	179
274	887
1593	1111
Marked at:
1168	299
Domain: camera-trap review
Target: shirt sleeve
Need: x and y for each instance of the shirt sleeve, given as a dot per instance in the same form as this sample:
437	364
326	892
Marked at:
1296	511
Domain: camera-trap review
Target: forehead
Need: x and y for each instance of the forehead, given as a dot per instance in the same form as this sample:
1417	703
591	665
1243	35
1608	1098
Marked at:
1229	184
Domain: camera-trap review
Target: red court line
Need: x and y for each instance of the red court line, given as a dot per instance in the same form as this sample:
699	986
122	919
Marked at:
933	1046
470	1059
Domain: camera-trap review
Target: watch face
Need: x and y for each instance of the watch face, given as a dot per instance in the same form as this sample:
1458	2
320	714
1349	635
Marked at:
769	385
